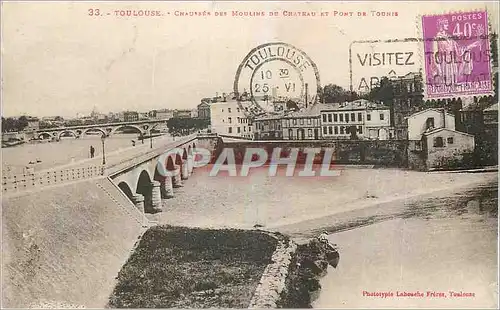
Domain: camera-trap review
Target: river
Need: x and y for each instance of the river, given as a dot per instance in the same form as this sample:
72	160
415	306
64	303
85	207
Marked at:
443	244
47	155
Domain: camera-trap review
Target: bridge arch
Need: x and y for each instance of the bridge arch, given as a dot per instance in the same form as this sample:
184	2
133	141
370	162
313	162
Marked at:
94	129
59	135
126	189
138	129
170	164
144	187
42	134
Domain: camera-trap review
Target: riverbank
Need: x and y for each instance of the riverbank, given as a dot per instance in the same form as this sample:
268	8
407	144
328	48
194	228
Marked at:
193	268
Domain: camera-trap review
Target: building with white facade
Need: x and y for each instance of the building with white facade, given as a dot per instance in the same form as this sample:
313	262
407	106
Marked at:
227	118
369	120
425	120
433	134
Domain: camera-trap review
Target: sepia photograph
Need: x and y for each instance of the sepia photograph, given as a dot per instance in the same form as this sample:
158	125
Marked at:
249	154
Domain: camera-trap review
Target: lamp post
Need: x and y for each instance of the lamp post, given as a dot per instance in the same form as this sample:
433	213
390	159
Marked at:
150	139
103	137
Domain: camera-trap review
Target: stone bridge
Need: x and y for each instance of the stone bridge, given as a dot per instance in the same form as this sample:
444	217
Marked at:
149	180
142	127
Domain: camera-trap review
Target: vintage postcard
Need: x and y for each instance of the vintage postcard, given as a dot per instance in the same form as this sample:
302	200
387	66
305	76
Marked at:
272	154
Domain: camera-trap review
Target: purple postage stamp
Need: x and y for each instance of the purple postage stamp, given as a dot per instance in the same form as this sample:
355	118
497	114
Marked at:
457	54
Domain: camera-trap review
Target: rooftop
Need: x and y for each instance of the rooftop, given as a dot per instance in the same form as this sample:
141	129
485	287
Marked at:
360	104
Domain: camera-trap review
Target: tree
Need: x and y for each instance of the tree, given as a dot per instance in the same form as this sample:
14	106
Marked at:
333	93
353	131
22	122
384	92
183	126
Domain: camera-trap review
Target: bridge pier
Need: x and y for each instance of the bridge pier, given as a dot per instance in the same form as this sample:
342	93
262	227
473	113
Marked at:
138	200
184	170
167	188
190	164
155	196
176	178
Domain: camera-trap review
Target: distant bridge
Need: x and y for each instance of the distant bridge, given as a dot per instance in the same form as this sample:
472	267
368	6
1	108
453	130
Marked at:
142	127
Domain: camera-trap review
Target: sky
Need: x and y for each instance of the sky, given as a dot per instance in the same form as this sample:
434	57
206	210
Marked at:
58	60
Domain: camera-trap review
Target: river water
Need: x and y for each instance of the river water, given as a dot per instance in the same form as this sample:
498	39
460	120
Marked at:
443	244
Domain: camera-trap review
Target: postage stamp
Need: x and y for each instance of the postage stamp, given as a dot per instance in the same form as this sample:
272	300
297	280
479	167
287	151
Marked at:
457	54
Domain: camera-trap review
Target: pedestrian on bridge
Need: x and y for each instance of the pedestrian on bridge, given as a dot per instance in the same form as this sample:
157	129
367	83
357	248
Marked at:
92	151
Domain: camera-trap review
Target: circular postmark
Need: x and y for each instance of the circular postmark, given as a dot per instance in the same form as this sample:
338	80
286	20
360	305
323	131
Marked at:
272	74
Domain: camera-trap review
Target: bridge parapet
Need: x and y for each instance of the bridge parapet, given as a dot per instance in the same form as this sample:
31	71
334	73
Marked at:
23	182
130	163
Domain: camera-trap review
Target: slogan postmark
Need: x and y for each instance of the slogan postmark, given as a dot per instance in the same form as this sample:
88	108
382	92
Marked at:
369	60
275	73
457	54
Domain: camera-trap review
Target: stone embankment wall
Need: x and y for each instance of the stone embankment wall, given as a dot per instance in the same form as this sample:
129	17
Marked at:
391	153
291	280
272	283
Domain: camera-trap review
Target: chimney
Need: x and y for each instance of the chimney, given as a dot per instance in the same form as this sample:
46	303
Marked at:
307	86
444	118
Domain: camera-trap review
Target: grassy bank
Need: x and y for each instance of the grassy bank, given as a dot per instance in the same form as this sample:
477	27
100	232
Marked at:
193	268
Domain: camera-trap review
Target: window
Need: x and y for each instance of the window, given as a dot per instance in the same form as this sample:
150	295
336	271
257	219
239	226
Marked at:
353	117
360	118
360	129
290	133
310	132
381	116
239	130
341	117
330	117
230	130
430	122
229	120
222	110
229	110
330	130
341	130
295	121
324	130
438	142
302	121
336	129
347	117
335	117
308	121
368	117
324	118
238	110
449	140
249	128
244	129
